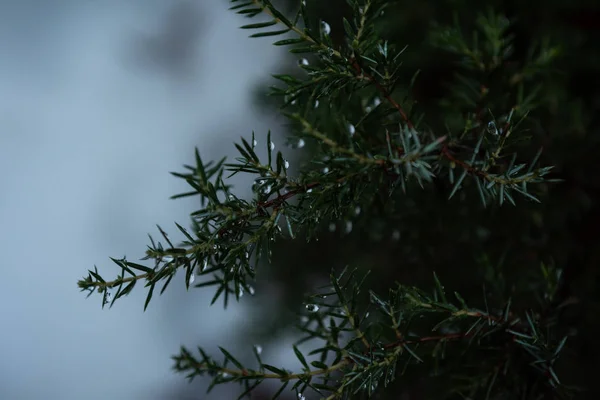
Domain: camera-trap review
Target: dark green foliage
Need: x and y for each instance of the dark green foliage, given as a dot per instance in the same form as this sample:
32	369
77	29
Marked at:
430	158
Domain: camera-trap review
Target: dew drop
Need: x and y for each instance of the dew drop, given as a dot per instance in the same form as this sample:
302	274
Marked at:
286	164
325	28
316	103
258	349
240	291
204	265
325	170
351	129
108	297
376	101
192	278
491	128
251	290
271	146
168	259
332	227
267	189
303	61
225	375
254	143
309	191
357	210
312	308
301	143
301	396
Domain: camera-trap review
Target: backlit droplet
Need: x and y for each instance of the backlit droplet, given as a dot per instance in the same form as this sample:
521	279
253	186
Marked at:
325	28
267	189
325	170
251	290
491	128
376	101
303	61
357	210
301	396
271	146
204	265
316	103
167	259
348	226
225	375
192	278
240	291
301	143
286	164
332	227
254	143
258	349
351	129
309	191
312	308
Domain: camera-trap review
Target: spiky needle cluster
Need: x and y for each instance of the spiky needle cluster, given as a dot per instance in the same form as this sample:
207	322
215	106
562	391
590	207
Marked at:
361	155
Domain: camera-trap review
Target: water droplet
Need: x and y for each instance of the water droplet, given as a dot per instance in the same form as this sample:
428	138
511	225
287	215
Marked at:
251	290
301	143
332	227
396	234
357	210
304	3
286	164
271	146
258	349
325	28
309	191
304	319
312	308
254	143
247	255
108	297
204	265
215	246
231	197
491	128
168	259
376	101
351	129
316	103
368	109
225	375
240	291
192	278
267	189
361	10
348	226
303	61
301	396
325	170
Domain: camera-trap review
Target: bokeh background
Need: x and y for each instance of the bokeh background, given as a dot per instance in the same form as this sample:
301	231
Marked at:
98	102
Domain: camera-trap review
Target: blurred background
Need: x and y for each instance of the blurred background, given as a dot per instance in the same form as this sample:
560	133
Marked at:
100	100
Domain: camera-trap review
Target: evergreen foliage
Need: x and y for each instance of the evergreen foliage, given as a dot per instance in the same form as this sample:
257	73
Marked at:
435	174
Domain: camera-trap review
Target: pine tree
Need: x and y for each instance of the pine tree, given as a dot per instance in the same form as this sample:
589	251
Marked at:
423	193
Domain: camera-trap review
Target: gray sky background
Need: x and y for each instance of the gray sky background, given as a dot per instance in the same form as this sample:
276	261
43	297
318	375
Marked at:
96	107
